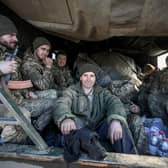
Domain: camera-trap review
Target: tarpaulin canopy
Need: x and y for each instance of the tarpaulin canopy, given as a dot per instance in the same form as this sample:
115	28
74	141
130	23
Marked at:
94	20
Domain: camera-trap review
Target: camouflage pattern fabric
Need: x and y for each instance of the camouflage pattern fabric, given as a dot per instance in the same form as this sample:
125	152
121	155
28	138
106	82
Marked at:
62	77
41	111
13	133
162	81
144	91
158	96
40	108
17	95
46	94
33	69
3	51
136	127
157	103
126	91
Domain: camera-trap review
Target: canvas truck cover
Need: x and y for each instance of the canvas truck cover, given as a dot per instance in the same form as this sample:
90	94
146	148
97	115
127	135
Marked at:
94	20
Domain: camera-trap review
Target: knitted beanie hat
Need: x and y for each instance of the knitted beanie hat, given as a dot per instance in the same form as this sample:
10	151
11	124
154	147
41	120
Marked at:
6	26
88	68
40	41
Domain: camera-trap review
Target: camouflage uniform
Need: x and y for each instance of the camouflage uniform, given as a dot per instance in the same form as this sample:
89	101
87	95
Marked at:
62	77
37	72
126	91
144	92
158	96
40	109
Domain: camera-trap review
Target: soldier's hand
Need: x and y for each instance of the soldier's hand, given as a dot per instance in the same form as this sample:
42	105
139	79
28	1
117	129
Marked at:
7	67
48	62
115	131
67	125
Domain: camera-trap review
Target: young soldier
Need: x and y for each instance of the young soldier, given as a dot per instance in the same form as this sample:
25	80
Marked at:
61	72
88	105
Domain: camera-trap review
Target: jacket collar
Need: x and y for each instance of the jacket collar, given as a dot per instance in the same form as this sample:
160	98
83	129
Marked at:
78	88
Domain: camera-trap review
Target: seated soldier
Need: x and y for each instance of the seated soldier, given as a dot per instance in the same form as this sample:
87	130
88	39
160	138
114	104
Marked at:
61	72
88	105
127	91
37	67
149	74
158	94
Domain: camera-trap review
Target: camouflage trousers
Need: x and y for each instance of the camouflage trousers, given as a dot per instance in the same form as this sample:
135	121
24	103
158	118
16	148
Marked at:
12	133
40	111
138	133
158	105
47	94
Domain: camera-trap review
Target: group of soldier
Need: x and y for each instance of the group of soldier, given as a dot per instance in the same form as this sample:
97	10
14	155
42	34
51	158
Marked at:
39	95
50	94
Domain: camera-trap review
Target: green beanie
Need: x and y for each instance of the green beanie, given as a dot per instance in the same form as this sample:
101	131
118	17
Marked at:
40	41
6	26
88	68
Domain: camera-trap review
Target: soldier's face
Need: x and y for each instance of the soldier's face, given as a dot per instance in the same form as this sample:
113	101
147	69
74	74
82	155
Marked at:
88	80
42	51
9	40
61	60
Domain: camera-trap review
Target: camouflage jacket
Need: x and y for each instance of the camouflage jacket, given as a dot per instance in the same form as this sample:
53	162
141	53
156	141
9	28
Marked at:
62	76
75	105
33	69
2	55
126	91
161	81
18	95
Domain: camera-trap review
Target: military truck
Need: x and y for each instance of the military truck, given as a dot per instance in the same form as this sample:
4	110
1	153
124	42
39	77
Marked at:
102	29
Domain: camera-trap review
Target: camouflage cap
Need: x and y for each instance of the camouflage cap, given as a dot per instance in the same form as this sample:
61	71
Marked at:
40	41
6	26
88	68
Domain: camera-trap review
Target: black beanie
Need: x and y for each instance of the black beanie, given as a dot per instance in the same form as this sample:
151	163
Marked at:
88	68
6	26
40	41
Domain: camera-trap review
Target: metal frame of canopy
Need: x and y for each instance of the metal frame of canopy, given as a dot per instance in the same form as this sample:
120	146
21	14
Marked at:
11	105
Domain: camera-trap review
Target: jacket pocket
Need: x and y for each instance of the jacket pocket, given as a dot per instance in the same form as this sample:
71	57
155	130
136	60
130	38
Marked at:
82	105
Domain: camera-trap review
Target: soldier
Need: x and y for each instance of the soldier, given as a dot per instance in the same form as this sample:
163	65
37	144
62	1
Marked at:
40	109
157	97
37	65
88	105
127	92
61	72
150	72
